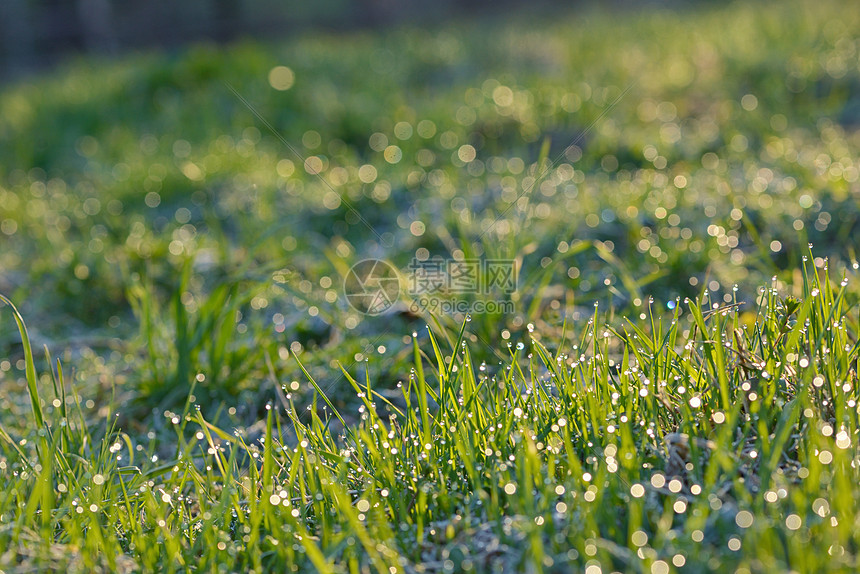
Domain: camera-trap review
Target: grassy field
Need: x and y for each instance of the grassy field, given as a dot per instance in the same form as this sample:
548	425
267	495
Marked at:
674	387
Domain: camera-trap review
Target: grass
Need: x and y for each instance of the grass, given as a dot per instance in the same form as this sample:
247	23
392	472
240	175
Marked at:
700	442
194	392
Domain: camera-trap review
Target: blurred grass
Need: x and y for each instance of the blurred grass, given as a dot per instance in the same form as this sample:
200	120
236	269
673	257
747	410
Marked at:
699	444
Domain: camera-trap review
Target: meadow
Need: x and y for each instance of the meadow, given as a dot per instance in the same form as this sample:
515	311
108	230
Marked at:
185	384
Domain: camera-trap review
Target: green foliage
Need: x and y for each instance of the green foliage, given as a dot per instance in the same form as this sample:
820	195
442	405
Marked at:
217	405
698	439
703	143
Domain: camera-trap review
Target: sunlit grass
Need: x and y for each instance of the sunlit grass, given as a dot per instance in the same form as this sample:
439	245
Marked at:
690	439
676	388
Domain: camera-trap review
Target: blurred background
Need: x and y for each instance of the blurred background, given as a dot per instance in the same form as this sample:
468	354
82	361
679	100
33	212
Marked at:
38	33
